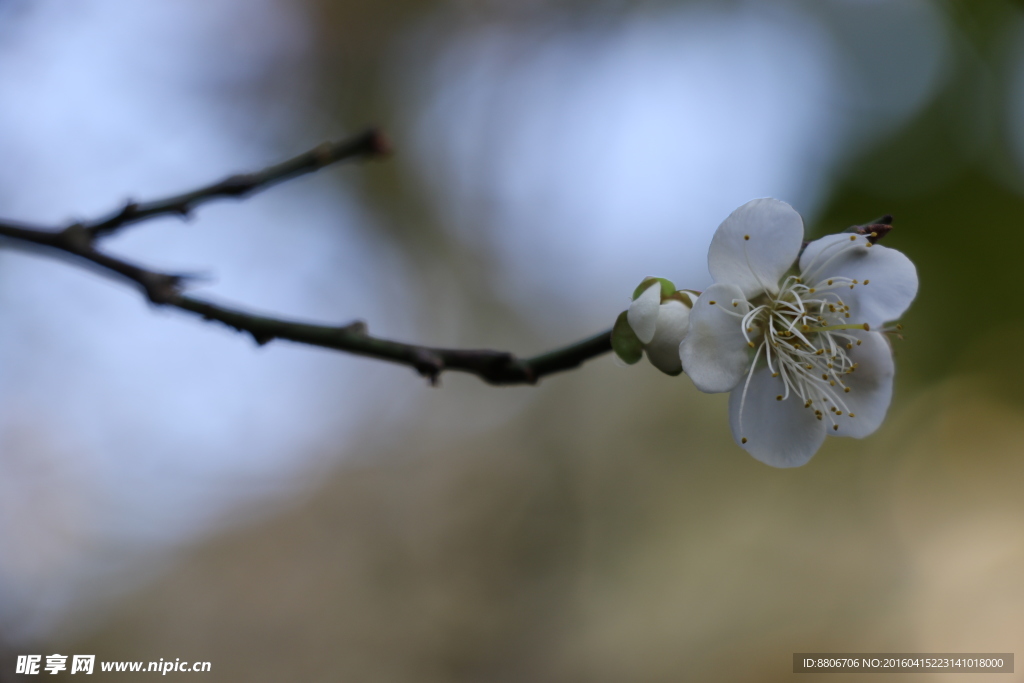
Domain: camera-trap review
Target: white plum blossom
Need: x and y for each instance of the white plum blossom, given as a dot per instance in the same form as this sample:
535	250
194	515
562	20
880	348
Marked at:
659	316
804	354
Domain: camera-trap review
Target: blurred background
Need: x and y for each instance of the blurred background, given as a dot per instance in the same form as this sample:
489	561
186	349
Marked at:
168	490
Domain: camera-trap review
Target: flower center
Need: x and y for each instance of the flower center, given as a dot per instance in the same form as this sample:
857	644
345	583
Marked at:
804	334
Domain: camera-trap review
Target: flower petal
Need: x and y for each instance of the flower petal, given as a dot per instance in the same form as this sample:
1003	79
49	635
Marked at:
714	352
891	276
756	245
778	433
663	351
643	312
870	386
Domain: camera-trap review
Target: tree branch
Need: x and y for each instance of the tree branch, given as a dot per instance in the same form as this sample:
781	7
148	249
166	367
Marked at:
79	241
371	143
494	367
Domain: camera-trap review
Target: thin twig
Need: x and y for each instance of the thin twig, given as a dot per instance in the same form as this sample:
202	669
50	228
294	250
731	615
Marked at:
79	241
367	145
494	367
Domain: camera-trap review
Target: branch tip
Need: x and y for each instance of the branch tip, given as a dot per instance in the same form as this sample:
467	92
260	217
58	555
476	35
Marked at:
380	144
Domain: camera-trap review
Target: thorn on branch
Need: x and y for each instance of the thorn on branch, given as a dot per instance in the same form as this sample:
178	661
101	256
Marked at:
261	338
161	288
428	364
130	207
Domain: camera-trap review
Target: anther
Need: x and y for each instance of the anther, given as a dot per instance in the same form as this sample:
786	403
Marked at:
867	281
830	282
746	237
735	304
750	344
853	238
807	404
712	303
867	328
846	389
852	415
832	382
775	374
835	427
743	440
858	341
824	376
779	397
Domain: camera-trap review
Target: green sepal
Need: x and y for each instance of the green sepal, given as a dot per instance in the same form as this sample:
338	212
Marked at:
683	297
624	341
667	288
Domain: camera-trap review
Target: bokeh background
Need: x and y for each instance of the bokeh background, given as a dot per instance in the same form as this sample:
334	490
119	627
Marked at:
168	490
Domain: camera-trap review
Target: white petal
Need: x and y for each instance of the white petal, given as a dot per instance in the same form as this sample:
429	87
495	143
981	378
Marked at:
643	312
870	386
891	276
756	245
714	352
663	351
778	433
